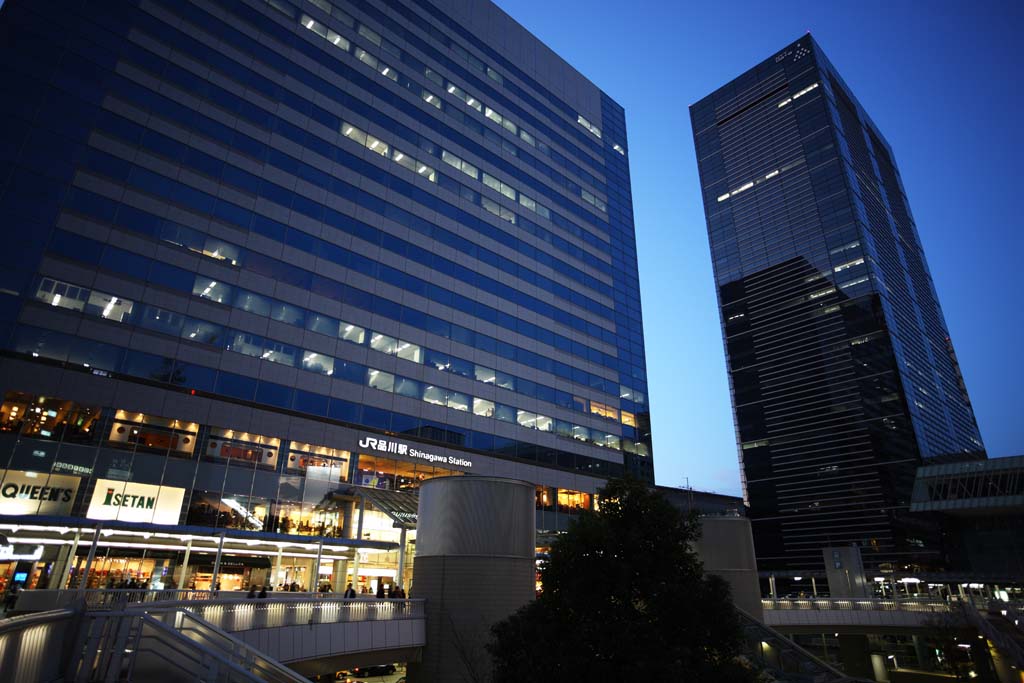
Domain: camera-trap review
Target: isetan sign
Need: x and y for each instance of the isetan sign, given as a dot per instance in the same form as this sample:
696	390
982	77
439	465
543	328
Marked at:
129	501
32	493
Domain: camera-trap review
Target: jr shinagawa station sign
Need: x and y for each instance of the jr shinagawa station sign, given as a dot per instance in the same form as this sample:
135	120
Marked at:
381	445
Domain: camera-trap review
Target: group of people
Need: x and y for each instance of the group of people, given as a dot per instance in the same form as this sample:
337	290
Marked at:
393	591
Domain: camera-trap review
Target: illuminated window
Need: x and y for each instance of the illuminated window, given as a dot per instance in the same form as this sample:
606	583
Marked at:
409	351
483	407
435	395
383	343
604	410
229	444
628	419
322	462
378	379
137	431
526	419
588	125
317	362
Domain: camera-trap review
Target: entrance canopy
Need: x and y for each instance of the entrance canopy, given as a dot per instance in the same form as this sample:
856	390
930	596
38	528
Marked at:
400	506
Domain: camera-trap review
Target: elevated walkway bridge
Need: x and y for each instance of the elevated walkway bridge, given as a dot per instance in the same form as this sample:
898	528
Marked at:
121	635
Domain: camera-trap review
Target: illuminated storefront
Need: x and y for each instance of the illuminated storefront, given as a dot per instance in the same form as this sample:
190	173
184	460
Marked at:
150	497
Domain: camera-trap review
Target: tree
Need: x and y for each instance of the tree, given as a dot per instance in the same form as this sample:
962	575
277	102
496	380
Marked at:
624	599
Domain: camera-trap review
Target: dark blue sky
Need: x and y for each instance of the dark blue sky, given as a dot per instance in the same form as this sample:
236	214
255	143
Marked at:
943	82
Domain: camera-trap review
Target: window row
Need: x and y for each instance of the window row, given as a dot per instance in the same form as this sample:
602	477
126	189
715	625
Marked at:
131	264
238	341
429	97
57	346
251	184
79	248
380	147
446	40
264	118
104	358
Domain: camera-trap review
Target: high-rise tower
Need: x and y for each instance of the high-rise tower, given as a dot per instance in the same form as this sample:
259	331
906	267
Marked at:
261	251
842	372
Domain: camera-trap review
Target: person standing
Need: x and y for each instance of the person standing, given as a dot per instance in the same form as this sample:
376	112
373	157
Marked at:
380	590
350	592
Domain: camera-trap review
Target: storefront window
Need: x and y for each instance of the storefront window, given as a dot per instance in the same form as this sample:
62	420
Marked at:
233	445
152	433
40	417
545	498
389	473
572	502
329	462
222	511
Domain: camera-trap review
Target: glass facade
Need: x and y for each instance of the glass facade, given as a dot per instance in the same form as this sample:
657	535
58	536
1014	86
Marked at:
842	372
247	237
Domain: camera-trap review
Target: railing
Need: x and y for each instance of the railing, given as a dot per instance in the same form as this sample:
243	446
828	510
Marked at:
931	605
786	660
31	645
1004	643
177	646
119	599
294	610
104	599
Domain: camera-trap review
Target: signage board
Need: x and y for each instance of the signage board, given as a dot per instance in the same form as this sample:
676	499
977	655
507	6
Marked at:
378	445
36	493
130	501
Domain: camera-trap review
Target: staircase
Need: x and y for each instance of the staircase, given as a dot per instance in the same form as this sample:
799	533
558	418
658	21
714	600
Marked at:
131	645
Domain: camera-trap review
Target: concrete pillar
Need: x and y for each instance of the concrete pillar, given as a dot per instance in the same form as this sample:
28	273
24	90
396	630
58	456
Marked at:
814	587
183	577
475	550
400	577
856	657
277	567
215	577
83	580
65	556
348	519
359	537
340	572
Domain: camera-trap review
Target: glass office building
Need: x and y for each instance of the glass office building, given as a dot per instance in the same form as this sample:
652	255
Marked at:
269	262
842	372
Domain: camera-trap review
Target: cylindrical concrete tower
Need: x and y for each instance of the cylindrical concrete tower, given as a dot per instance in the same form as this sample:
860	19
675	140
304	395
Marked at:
475	546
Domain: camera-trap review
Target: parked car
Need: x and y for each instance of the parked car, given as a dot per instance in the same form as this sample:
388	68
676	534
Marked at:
375	670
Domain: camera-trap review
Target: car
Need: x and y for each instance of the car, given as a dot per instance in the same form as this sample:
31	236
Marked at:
375	670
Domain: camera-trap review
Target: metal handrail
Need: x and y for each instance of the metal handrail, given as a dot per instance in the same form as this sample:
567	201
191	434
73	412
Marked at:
1005	644
244	615
822	671
24	621
858	604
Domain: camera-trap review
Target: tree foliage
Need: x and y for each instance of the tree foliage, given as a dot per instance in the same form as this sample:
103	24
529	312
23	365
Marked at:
624	599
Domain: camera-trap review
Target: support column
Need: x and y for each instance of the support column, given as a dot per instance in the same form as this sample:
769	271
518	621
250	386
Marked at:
183	578
60	567
771	586
84	579
340	576
400	580
216	562
277	566
314	582
814	587
359	537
